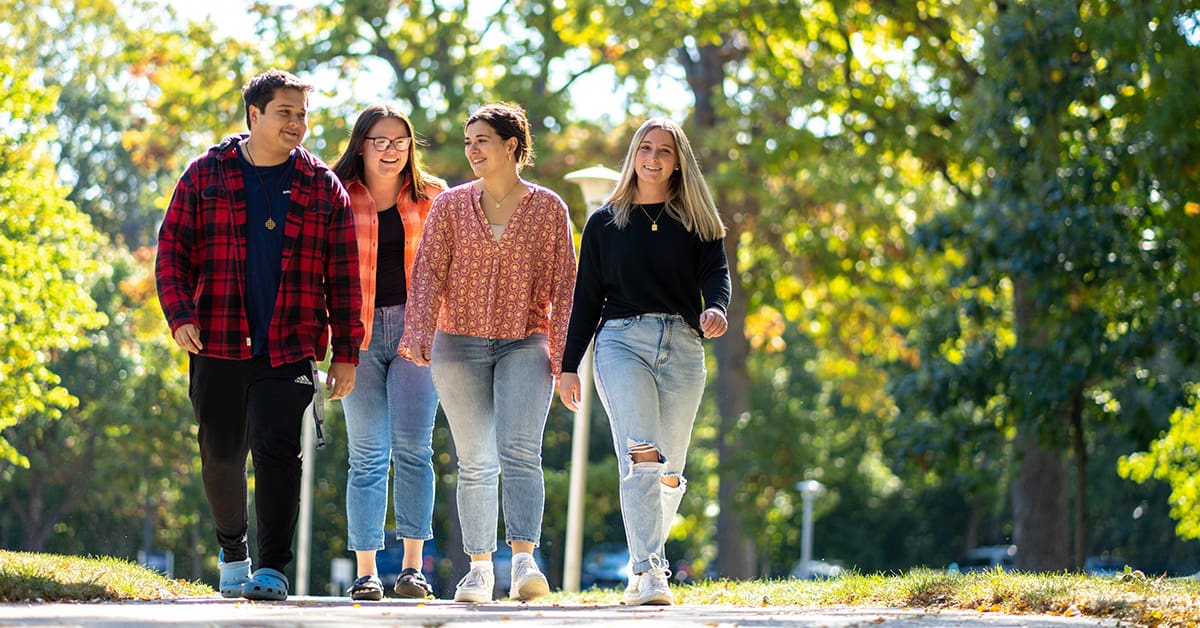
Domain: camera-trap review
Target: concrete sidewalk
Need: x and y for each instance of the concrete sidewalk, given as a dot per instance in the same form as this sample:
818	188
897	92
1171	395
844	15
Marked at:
331	611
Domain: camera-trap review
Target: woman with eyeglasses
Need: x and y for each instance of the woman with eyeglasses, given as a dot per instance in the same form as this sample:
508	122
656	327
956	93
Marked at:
390	413
491	297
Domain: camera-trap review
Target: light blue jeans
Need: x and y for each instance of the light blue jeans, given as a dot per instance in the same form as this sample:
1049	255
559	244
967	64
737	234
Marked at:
650	377
496	394
389	418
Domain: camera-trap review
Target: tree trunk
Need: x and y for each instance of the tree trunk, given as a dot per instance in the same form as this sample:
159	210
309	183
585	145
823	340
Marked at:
1040	510
736	551
1081	500
1041	513
971	535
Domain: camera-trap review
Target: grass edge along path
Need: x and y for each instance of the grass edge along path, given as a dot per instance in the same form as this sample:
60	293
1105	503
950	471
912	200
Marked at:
1132	597
26	576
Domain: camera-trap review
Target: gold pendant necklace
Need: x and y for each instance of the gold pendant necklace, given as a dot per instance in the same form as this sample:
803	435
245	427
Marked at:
501	201
270	223
653	221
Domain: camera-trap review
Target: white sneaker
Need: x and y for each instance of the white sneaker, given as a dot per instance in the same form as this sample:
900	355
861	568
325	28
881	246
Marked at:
632	597
528	583
653	588
476	586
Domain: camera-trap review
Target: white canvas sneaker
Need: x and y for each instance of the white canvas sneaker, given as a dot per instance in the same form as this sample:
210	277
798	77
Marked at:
476	586
653	588
632	598
528	583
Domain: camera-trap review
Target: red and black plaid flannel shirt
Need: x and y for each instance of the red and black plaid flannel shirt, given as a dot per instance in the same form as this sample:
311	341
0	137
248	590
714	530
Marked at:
201	266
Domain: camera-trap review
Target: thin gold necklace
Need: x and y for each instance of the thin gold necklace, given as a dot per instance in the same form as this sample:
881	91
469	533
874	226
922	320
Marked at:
501	201
270	223
653	221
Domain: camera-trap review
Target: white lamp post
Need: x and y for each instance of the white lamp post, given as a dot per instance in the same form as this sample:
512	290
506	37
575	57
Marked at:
596	183
304	531
809	489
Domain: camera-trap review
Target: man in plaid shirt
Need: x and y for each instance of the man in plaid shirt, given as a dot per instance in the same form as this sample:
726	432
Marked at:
257	274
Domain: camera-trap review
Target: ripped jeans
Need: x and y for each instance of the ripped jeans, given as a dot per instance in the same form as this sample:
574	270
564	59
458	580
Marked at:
650	377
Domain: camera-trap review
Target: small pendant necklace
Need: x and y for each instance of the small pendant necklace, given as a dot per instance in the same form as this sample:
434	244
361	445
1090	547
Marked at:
653	221
270	223
501	201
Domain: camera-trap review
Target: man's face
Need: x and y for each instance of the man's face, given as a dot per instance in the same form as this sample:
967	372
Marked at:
282	125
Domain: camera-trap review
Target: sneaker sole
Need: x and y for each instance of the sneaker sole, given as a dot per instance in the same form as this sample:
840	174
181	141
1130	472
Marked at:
472	598
530	590
657	600
410	591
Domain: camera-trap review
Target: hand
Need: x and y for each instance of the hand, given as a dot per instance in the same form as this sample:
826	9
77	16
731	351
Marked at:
713	323
188	337
420	355
568	390
340	379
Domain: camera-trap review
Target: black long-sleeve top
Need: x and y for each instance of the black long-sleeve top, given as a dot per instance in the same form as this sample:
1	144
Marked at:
632	271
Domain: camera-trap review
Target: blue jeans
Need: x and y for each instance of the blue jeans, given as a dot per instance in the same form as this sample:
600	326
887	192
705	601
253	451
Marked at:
650	377
496	394
389	418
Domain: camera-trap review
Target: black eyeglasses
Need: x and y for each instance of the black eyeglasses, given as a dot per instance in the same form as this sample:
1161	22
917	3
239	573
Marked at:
381	143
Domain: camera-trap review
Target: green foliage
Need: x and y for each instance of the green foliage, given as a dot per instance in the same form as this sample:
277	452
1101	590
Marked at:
46	250
1173	458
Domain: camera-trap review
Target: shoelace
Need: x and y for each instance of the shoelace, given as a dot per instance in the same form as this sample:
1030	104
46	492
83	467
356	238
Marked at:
472	579
525	567
659	566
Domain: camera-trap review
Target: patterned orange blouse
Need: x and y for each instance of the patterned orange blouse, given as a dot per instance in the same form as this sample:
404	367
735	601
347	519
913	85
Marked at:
466	282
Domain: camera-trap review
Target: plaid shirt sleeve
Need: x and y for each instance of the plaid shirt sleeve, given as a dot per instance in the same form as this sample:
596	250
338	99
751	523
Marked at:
176	268
343	290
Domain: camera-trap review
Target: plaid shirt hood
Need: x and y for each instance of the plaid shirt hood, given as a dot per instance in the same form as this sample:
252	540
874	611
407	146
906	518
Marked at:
201	265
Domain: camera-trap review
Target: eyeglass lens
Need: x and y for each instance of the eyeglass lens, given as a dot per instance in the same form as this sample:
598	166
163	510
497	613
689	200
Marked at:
382	143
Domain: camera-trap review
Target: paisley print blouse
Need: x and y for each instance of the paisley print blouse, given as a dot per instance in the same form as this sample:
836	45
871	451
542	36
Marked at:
467	282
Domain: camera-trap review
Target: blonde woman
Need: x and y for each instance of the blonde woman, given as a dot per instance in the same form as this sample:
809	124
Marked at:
653	281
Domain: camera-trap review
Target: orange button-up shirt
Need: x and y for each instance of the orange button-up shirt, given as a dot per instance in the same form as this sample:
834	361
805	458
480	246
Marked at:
466	282
366	229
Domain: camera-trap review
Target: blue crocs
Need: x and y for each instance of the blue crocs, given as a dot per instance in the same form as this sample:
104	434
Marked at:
266	584
233	575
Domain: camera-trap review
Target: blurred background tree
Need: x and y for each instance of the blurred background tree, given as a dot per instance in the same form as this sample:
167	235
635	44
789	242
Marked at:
963	237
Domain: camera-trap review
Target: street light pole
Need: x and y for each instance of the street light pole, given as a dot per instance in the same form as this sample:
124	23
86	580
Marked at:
809	489
596	183
304	539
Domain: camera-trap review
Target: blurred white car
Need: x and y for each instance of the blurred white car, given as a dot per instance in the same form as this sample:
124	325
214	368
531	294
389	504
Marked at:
818	569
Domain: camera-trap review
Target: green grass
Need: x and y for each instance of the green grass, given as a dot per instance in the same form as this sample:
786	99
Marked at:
55	578
1131	598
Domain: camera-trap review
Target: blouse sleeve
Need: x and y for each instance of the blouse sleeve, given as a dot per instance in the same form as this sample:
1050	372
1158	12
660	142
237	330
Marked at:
429	275
563	288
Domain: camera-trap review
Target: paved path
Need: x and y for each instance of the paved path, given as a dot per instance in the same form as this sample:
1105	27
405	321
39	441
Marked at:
341	612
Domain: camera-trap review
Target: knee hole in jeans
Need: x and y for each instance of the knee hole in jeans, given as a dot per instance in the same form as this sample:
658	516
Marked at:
646	457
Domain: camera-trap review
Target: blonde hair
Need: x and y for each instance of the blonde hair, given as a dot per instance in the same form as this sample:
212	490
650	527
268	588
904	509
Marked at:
688	199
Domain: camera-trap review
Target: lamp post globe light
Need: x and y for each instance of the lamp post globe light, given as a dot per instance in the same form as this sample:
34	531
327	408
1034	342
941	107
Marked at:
596	183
